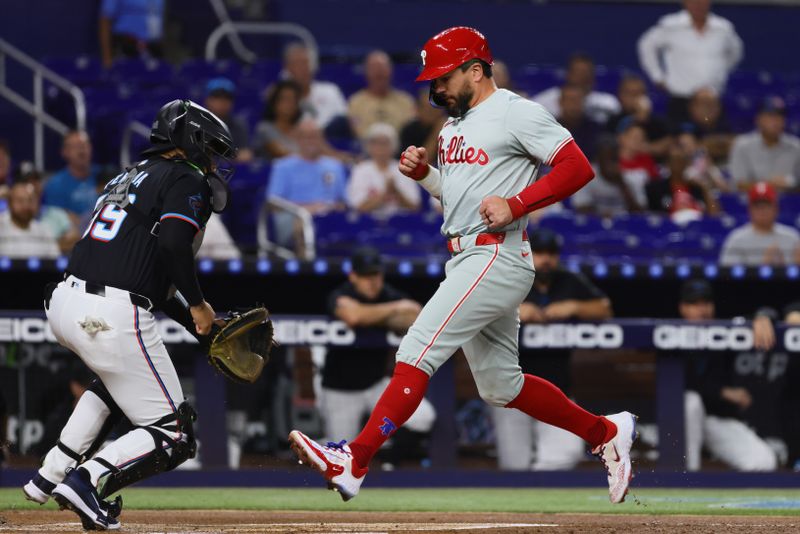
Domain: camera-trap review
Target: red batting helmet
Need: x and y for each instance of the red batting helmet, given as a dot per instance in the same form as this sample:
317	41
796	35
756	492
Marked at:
450	49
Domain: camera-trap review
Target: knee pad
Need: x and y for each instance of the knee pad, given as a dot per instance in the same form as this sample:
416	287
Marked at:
174	443
496	387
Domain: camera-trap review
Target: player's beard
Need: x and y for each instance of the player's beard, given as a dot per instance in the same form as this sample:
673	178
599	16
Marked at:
461	105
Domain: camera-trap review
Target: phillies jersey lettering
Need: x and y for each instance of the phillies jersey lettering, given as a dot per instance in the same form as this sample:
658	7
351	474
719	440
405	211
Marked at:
496	148
457	153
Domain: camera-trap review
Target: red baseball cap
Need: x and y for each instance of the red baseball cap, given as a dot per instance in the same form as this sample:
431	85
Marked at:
762	192
450	49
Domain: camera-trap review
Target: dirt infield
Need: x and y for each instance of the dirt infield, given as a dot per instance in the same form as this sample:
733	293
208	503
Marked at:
199	521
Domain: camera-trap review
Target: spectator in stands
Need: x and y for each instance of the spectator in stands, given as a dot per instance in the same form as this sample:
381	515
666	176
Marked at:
778	374
379	101
573	116
609	194
718	398
5	168
21	235
682	198
131	28
687	51
502	77
762	241
708	120
74	188
217	242
769	154
557	295
274	137
220	97
323	101
580	73
309	179
354	378
376	185
62	227
702	168
634	102
424	129
637	165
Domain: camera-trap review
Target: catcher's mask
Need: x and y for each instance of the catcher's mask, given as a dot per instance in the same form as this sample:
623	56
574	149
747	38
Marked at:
205	140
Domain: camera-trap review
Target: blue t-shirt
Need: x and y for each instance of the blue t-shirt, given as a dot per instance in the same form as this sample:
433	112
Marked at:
144	19
65	191
305	182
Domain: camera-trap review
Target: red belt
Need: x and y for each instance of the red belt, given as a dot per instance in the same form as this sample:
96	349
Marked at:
496	238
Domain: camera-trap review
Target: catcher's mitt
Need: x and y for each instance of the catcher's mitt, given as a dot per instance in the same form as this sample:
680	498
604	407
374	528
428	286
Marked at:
240	347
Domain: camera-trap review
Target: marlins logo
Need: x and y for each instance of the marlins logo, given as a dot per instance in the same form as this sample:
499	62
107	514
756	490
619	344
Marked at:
197	204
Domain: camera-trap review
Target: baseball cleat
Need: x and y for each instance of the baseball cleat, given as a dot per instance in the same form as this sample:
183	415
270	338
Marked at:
77	493
333	461
38	489
616	455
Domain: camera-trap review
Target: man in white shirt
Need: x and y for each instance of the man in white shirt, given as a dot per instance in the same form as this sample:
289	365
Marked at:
21	235
762	241
689	50
598	106
322	101
376	185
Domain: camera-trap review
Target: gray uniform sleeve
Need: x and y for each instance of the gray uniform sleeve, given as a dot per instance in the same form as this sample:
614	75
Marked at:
534	131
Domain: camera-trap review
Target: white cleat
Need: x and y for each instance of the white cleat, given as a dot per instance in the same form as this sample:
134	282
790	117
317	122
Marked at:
333	461
34	494
616	455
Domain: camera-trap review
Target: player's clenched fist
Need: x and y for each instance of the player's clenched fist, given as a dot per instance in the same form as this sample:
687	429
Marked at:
414	162
495	212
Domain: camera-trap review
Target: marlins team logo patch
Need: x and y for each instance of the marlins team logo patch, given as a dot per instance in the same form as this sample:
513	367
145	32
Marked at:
197	204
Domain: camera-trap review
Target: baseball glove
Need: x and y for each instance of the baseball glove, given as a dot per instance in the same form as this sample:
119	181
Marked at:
240	346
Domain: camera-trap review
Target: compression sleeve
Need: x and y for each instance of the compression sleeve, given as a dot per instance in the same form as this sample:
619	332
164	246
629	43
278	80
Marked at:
571	171
175	249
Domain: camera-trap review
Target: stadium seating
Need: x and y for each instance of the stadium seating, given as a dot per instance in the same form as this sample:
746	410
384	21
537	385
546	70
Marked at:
134	89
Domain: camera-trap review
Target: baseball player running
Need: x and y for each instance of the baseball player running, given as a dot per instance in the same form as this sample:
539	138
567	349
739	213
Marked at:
489	155
141	241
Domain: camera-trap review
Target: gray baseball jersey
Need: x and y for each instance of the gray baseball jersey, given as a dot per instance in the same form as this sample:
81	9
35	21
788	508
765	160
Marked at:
496	148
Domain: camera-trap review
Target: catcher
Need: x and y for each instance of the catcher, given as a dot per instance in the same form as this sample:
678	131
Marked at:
136	256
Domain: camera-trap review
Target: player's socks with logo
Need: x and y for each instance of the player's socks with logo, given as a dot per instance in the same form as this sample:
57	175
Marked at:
398	402
544	401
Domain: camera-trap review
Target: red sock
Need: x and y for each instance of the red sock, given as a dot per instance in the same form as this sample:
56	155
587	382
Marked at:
544	401
399	401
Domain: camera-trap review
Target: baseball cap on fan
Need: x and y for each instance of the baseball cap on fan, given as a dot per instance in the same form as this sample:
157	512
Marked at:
694	291
762	192
366	260
221	87
773	104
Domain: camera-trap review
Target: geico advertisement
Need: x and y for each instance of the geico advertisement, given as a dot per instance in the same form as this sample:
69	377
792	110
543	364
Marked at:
287	332
572	336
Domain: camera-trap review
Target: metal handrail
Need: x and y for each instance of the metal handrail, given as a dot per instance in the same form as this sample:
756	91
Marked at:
266	246
238	46
35	108
133	127
286	28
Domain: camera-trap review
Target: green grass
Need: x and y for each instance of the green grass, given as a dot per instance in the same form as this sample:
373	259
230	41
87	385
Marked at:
641	501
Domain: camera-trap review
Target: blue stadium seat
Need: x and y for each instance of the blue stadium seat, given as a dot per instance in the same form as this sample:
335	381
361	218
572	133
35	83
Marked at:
199	71
142	72
80	70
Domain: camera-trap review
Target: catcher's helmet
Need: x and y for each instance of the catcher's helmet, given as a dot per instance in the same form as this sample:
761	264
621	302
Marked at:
450	49
200	134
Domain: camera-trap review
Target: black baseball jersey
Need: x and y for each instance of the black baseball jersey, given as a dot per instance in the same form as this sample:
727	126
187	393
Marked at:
118	251
351	368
